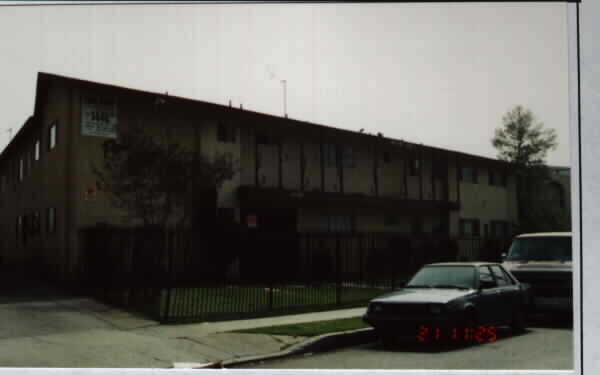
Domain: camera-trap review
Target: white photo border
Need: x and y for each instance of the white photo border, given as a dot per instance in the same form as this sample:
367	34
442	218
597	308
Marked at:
584	96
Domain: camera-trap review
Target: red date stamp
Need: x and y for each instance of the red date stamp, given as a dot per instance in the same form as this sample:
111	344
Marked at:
479	334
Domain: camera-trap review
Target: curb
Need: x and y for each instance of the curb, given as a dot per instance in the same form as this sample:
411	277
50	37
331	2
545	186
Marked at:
321	343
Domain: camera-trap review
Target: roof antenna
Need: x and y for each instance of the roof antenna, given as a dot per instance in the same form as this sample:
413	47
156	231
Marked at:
9	131
230	102
241	106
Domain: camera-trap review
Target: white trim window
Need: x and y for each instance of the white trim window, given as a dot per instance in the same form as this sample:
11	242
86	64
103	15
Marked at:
52	136
36	150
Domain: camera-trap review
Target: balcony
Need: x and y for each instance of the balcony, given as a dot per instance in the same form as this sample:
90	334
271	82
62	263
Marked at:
252	197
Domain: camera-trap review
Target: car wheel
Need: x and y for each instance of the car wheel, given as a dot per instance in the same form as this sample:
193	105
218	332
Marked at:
518	321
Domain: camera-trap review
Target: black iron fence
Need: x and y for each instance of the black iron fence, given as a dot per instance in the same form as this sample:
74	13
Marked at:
179	275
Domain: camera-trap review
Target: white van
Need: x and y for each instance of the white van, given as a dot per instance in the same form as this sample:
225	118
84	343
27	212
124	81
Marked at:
544	261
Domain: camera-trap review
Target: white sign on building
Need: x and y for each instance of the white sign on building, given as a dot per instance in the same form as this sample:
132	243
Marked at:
98	117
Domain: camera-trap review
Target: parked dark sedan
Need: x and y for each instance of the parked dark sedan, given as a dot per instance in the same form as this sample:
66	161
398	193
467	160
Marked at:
451	302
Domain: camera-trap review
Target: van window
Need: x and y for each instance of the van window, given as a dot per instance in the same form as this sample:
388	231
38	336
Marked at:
541	249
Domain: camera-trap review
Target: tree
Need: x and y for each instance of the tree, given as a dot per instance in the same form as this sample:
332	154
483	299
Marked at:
525	144
522	142
157	181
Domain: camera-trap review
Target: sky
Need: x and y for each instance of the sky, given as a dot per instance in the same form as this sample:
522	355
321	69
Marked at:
438	74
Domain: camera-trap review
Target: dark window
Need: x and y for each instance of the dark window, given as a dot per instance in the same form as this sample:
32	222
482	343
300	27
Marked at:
469	227
501	278
334	154
347	156
497	178
52	136
329	155
226	133
469	175
414	167
485	276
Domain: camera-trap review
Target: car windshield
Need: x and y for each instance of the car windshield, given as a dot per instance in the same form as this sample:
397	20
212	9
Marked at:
541	249
444	277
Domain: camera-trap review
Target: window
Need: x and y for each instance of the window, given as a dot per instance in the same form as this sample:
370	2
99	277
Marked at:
51	220
347	157
497	178
501	278
226	133
469	227
329	155
485	276
332	153
469	175
36	150
414	167
52	136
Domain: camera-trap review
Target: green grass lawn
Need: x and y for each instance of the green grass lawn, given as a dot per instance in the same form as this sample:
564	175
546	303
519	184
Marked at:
311	329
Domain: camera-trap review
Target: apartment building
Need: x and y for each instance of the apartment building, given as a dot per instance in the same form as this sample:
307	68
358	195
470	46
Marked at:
293	175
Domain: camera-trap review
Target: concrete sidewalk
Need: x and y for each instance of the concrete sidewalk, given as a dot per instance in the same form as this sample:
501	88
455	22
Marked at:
80	332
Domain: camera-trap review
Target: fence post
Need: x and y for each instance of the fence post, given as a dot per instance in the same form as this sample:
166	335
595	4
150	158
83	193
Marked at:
270	247
393	262
169	277
338	281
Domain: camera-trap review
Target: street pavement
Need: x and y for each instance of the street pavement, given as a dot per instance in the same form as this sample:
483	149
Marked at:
541	348
42	328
